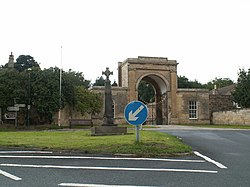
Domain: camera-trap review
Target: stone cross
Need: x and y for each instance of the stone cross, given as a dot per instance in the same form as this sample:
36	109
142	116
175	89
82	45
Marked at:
107	73
108	118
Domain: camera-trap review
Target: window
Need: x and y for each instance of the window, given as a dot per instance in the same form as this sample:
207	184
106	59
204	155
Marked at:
193	110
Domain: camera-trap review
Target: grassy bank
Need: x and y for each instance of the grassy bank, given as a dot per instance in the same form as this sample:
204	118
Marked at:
152	144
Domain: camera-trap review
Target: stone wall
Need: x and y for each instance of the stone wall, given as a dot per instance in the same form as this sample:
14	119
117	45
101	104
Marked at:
220	103
119	96
232	117
67	114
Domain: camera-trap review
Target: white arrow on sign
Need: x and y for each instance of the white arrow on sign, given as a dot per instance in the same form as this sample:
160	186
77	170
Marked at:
132	116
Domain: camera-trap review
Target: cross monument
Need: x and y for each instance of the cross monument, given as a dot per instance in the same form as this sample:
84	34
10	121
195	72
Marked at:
108	118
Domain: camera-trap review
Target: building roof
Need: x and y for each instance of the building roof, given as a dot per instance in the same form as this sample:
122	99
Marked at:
227	90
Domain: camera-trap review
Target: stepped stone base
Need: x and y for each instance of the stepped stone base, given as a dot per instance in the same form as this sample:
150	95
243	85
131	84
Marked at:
108	130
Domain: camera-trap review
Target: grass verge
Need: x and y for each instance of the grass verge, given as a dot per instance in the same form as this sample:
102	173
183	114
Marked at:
152	144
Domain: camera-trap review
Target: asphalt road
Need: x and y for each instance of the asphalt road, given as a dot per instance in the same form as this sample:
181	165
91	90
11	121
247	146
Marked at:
230	147
217	148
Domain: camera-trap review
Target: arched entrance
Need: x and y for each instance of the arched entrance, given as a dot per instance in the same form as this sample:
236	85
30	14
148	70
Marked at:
159	105
161	73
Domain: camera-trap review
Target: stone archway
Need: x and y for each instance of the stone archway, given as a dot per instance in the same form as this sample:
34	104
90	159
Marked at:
161	98
159	72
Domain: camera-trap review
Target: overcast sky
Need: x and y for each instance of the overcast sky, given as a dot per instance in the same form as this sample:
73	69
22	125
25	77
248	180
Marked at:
208	38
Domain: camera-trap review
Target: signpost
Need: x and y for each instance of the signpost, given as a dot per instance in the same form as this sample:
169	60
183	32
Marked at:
20	105
136	114
13	108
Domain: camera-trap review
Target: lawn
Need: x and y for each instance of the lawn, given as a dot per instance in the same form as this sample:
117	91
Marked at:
152	144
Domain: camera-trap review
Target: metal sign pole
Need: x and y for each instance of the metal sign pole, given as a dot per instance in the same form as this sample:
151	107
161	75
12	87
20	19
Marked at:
16	124
136	114
137	132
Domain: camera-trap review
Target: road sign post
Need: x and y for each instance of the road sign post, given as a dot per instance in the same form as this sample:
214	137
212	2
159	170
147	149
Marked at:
136	114
13	108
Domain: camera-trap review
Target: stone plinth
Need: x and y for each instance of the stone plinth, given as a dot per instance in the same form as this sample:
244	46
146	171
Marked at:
108	130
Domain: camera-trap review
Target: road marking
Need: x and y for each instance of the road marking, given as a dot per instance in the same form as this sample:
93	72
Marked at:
100	158
210	160
110	168
95	185
39	152
13	177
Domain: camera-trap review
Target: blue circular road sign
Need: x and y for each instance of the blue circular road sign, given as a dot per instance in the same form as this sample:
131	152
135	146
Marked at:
136	113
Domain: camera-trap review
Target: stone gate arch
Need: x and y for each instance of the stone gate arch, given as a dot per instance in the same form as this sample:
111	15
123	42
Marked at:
161	88
161	73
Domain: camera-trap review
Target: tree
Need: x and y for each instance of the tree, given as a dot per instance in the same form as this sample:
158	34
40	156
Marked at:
44	93
24	62
241	95
114	84
13	87
30	85
99	81
219	82
184	82
70	80
86	101
146	92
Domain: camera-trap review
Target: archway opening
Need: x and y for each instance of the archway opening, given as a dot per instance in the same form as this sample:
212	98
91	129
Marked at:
152	90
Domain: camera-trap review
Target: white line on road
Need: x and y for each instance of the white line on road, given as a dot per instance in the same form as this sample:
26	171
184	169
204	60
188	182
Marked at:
110	168
13	177
95	185
210	160
100	158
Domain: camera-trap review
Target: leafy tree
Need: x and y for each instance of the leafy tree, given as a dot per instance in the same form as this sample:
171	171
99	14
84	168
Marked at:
241	95
45	93
146	92
28	84
184	82
99	81
70	80
86	101
114	84
76	78
24	62
13	87
219	82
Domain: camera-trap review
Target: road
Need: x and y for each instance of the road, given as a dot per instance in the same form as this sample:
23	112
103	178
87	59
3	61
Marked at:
222	159
230	147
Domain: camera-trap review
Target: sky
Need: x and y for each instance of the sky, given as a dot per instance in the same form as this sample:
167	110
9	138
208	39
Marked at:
208	38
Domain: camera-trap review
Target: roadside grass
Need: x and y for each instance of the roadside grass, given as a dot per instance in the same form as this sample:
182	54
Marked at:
218	126
152	144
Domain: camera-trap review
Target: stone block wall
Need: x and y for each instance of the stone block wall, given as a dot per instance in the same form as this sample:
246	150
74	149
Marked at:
232	117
